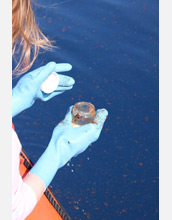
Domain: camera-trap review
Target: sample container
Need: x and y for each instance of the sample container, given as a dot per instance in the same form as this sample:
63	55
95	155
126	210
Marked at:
82	113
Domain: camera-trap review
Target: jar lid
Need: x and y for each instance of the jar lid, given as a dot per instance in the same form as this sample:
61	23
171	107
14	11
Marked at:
51	83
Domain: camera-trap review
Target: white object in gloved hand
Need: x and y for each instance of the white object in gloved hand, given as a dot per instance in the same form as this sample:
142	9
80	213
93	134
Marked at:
51	83
66	142
27	90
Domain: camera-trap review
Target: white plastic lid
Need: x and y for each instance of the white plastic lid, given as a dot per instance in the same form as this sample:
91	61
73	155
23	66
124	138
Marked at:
51	83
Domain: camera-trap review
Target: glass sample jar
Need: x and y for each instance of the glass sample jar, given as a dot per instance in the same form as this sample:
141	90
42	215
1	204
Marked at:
82	113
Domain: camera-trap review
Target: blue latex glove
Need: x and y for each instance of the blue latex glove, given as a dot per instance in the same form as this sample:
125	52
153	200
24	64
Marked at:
28	89
66	142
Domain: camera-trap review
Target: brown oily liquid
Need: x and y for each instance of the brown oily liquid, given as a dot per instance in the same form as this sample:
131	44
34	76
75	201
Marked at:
82	113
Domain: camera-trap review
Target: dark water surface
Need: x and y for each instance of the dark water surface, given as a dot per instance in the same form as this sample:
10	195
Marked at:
113	48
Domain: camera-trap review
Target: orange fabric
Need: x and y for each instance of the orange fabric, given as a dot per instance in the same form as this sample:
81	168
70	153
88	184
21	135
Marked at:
44	209
13	126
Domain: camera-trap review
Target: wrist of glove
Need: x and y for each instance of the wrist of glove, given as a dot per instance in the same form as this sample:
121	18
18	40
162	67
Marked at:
19	103
66	142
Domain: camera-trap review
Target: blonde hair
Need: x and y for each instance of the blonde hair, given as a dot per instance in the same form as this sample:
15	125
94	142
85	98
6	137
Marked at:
26	35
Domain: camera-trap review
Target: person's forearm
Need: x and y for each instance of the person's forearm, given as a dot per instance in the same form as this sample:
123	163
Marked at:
15	103
42	173
36	184
47	166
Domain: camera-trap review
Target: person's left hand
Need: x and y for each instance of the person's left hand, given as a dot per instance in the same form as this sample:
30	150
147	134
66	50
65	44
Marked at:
28	89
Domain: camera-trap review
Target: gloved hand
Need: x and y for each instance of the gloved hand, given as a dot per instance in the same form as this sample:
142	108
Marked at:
28	89
67	141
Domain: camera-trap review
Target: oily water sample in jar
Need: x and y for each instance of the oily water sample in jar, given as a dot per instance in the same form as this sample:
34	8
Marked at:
83	113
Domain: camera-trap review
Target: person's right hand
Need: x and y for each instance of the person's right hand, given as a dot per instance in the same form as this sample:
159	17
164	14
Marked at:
69	141
66	142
